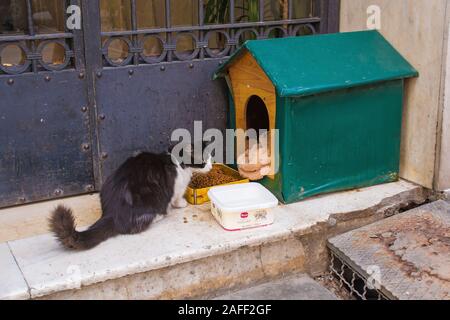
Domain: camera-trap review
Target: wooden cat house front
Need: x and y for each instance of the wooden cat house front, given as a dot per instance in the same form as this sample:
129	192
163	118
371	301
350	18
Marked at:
336	101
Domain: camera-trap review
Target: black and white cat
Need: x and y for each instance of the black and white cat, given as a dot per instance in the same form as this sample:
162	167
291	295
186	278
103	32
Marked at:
143	187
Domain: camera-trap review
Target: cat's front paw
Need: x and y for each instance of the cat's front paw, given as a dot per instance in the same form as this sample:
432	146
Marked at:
208	166
180	203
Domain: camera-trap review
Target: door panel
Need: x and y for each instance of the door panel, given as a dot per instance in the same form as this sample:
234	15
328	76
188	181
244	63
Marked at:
139	111
45	142
42	132
75	104
157	65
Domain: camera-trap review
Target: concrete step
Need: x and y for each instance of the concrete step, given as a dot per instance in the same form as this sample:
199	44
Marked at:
404	257
189	255
31	220
298	287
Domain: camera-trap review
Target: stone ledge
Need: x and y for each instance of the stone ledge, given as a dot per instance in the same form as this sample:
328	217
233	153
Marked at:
190	240
12	283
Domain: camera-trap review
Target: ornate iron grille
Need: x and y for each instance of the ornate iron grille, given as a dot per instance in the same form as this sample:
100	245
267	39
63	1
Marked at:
232	33
31	45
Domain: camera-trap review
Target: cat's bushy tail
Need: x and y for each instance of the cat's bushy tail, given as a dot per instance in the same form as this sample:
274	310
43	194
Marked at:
62	224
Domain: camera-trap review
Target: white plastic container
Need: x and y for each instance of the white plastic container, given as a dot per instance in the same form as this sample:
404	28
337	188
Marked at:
242	206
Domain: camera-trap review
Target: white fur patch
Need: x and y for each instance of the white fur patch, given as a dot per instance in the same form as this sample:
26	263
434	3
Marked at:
158	218
182	180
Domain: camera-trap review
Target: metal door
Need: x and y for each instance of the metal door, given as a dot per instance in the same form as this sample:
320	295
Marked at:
153	72
45	140
75	103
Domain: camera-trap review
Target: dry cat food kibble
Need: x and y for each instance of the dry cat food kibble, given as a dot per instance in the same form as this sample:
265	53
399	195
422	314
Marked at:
215	177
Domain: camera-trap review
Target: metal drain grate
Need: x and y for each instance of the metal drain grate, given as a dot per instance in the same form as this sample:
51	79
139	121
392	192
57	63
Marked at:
352	281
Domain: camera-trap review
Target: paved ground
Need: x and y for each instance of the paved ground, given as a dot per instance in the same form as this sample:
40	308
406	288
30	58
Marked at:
408	255
300	287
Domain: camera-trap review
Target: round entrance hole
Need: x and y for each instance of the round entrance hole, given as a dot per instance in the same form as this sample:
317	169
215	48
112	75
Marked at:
256	115
257	151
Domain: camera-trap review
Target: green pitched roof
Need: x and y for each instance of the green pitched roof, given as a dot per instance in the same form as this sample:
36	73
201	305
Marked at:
300	66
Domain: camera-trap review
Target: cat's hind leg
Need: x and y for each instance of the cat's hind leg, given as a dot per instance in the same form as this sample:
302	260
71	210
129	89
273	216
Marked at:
141	223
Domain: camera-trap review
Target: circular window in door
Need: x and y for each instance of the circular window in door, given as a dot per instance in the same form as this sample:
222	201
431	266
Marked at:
13	58
244	35
54	55
303	30
117	51
153	49
276	32
186	46
217	44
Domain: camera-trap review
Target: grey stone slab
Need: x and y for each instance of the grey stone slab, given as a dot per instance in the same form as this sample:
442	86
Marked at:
300	287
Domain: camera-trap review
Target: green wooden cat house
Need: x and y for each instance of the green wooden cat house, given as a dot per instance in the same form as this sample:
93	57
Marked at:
336	101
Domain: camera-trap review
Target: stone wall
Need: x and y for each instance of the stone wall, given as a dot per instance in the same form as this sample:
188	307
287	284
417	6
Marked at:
418	30
443	178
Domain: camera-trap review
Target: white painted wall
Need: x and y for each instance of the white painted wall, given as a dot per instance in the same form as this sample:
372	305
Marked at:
417	28
444	165
443	161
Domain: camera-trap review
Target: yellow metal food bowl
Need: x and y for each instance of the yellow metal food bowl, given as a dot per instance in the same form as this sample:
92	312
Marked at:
200	196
